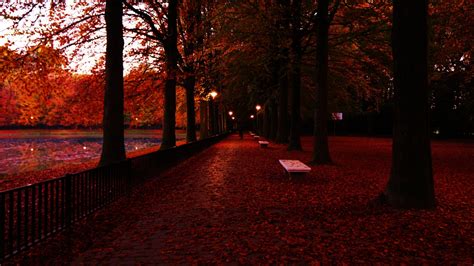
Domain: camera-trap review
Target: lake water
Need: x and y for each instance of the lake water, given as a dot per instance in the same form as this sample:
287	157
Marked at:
26	150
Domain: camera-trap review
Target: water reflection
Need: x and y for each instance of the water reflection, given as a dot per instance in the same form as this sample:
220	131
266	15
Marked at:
26	150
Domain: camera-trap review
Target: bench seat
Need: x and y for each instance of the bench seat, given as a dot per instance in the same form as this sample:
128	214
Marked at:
263	144
294	166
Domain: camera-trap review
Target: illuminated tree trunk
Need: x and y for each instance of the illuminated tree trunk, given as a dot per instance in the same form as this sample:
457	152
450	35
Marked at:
321	146
411	179
296	55
171	52
113	148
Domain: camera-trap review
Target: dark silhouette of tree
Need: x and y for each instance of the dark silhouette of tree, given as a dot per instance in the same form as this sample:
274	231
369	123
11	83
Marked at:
192	39
411	179
204	119
266	120
296	55
273	119
171	50
113	147
321	146
168	38
283	119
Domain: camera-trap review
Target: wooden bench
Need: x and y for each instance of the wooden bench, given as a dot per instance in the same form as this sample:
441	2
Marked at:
294	167
263	144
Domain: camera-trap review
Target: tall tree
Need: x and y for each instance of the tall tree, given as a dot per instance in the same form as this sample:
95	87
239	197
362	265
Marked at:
171	51
168	38
411	178
191	38
295	76
283	129
113	147
321	146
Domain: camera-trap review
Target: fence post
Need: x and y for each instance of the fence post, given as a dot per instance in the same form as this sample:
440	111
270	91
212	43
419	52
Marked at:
68	200
2	226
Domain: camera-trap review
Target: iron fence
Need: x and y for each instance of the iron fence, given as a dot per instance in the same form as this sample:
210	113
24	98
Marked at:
32	213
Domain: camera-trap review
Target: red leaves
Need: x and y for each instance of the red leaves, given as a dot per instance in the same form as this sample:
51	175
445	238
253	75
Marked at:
233	204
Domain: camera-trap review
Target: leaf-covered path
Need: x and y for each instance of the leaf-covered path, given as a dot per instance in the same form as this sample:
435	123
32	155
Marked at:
233	203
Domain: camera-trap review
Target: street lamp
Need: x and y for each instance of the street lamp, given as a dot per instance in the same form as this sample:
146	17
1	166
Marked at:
258	107
231	113
233	118
212	111
252	116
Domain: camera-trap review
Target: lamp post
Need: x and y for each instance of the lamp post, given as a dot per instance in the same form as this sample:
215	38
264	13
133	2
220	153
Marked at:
230	123
258	107
213	95
253	124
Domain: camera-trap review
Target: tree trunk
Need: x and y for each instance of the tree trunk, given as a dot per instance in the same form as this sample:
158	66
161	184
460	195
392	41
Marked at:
171	52
273	119
321	146
296	55
189	84
203	128
283	130
266	120
216	118
113	147
191	40
411	179
211	116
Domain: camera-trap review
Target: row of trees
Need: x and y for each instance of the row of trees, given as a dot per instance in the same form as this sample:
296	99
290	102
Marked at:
411	180
299	59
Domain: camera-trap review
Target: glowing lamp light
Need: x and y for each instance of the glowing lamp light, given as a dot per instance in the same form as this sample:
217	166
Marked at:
231	113
136	148
136	118
252	116
213	94
233	118
258	107
32	149
31	117
84	148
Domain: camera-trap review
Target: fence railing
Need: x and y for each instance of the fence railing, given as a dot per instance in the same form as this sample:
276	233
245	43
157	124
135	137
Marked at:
32	213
